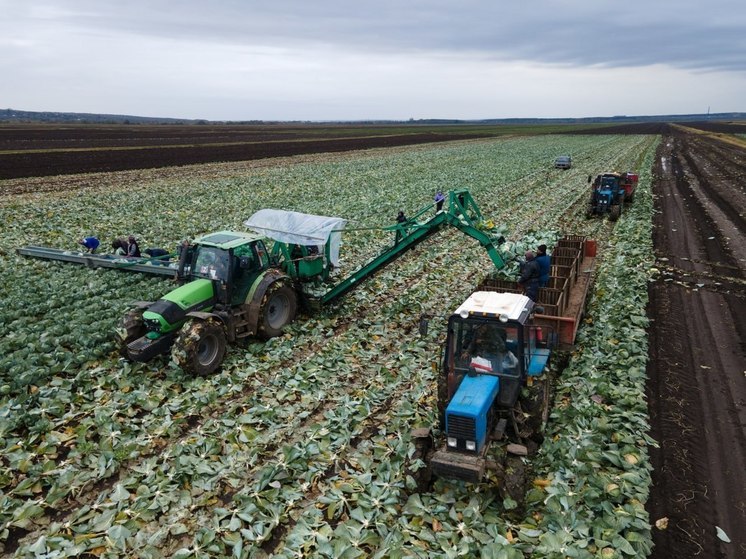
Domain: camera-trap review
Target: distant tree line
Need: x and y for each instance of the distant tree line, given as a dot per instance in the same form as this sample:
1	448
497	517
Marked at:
15	116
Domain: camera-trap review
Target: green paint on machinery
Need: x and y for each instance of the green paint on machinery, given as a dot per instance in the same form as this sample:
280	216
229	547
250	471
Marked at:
236	285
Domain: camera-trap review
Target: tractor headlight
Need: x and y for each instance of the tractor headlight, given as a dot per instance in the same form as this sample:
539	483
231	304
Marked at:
152	325
471	445
452	442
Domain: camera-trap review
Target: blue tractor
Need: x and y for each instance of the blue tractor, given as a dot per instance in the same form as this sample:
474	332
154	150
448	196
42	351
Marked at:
607	195
493	351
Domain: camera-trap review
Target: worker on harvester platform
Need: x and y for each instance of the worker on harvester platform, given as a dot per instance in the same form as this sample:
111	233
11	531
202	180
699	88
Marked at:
401	220
133	248
156	252
90	244
530	274
439	199
119	246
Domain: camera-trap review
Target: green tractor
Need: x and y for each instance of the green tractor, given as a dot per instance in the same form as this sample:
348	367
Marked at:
236	288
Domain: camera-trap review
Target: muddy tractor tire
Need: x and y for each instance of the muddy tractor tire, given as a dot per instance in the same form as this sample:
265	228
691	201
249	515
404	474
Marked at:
278	309
615	212
199	347
130	328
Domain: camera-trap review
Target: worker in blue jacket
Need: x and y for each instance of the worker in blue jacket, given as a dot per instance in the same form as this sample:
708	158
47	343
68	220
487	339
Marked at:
542	258
90	244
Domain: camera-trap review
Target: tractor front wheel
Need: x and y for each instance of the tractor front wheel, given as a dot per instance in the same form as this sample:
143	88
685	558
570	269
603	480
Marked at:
199	347
130	328
615	212
279	306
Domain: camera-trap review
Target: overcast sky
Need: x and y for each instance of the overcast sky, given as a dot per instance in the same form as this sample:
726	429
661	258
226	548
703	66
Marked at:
381	59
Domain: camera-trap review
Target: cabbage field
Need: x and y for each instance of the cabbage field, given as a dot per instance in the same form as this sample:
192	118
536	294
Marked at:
299	447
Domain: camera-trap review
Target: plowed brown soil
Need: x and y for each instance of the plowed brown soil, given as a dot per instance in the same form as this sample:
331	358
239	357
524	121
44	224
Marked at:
697	370
48	151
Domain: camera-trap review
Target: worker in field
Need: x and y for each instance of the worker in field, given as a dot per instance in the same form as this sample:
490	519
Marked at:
160	255
90	244
156	252
439	199
530	274
119	247
544	265
401	219
133	248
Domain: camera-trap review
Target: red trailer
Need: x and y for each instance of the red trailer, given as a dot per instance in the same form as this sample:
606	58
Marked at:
628	181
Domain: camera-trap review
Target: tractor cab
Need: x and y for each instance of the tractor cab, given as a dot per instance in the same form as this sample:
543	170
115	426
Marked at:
607	182
232	260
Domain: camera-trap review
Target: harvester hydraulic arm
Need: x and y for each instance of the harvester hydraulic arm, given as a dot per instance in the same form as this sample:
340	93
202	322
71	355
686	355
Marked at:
462	213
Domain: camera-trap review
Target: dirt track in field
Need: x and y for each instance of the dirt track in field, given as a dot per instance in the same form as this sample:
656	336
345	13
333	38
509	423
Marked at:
697	370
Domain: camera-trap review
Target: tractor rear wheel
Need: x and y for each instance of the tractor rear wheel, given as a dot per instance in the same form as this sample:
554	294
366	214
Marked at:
199	347
130	328
279	307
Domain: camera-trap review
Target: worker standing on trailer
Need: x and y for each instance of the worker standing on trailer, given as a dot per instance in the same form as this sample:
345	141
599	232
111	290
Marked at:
90	244
542	258
530	274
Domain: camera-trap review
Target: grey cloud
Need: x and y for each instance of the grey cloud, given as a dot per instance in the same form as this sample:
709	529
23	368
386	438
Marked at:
683	34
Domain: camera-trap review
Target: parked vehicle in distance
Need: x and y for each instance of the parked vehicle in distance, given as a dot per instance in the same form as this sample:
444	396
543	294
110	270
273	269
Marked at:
563	162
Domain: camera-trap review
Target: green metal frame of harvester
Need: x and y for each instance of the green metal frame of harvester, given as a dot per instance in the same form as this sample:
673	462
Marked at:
235	286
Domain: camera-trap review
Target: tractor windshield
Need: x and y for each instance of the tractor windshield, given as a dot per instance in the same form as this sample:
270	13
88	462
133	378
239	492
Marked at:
211	263
486	347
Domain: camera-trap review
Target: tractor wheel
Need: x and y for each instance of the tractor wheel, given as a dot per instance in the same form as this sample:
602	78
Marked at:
199	347
279	306
615	212
590	211
130	328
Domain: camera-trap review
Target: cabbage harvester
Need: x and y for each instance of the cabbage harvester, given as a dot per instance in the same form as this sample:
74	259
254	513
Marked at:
237	285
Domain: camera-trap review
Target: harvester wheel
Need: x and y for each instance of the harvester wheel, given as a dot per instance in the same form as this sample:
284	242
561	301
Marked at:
130	328
199	347
279	306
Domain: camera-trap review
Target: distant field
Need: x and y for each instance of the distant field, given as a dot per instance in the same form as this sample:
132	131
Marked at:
38	150
33	150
